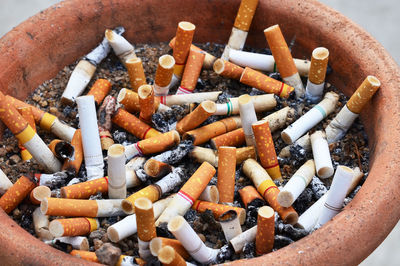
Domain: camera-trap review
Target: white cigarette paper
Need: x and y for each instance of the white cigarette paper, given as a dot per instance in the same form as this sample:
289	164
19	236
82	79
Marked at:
247	236
90	137
248	117
77	242
265	62
278	119
321	154
122	48
338	127
336	194
41	225
182	231
261	103
144	249
303	142
236	42
297	183
210	194
311	118
230	224
5	183
198	97
63	131
116	172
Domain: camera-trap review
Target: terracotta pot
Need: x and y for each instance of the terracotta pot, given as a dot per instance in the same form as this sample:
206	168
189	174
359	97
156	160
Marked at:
41	46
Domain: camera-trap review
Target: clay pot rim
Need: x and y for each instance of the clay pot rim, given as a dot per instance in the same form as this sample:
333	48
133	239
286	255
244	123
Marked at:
302	251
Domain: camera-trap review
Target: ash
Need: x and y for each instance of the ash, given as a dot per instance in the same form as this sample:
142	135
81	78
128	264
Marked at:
303	201
177	154
318	188
165	121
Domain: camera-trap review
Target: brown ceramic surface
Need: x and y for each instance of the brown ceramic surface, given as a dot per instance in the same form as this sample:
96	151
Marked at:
37	49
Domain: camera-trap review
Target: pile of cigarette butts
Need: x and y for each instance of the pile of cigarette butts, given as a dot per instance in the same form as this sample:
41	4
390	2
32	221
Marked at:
238	139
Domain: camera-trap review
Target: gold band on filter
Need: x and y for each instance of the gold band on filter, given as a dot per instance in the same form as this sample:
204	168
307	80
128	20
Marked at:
47	121
363	94
146	229
265	230
319	63
26	113
280	50
245	14
136	73
26	135
226	173
164	70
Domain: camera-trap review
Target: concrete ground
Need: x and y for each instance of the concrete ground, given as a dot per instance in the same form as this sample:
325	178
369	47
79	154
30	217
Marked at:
380	18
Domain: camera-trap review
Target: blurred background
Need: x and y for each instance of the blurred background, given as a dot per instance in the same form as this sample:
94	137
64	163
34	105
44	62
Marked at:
379	18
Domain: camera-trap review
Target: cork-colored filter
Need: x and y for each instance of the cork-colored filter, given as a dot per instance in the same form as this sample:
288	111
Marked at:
146	102
73	226
233	138
265	230
245	14
159	143
227	69
260	81
133	125
266	149
198	181
16	194
280	50
156	168
152	192
319	63
248	194
169	257
100	89
159	242
10	116
218	209
183	41
69	207
130	100
363	94
86	255
244	153
192	70
37	113
164	71
85	189
74	163
195	118
26	113
226	173
146	229
136	73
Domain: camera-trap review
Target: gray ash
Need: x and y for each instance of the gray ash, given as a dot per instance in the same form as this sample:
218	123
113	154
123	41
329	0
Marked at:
141	174
224	97
119	136
302	203
252	212
163	121
289	231
225	253
249	250
176	155
162	231
318	188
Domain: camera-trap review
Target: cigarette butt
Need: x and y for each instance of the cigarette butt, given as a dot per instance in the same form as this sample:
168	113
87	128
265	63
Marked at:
5	183
157	243
99	90
122	48
85	189
226	173
116	172
168	257
218	209
201	155
26	113
278	119
266	149
85	255
248	117
230	224
363	94
180	99
319	63
244	153
61	149
39	193
245	14
210	194
265	230
152	192
41	225
136	73
262	82
248	194
133	125
207	132
16	194
227	69
233	138
37	113
106	139
146	230
195	118
183	40
156	168
267	188
321	155
77	242
74	164
208	60
192	72
262	103
73	226
130	100
241	240
163	77
146	102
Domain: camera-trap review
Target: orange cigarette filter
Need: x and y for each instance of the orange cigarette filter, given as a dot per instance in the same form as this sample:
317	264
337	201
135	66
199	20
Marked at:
74	163
164	71
130	100
227	69
183	41
106	139
262	82
218	209
195	118
280	50
203	134
133	125
10	116
175	244
248	194
265	230
99	90
73	226
363	94
169	257
146	229
26	113
146	102
156	168
17	193
85	189
226	173
152	192
159	143
266	149
319	63
192	70
136	73
233	138
85	255
70	207
245	14
39	193
244	153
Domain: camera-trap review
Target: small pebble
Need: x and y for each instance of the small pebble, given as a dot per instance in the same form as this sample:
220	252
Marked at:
108	254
